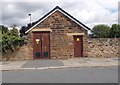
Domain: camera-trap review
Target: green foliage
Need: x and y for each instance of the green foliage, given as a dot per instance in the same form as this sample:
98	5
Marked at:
0	35
104	31
14	31
10	40
3	29
100	31
115	31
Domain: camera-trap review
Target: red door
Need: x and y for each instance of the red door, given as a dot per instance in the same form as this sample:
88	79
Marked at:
78	46
41	45
45	45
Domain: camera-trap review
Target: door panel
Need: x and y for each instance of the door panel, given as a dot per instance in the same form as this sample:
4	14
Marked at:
37	46
41	45
78	46
45	45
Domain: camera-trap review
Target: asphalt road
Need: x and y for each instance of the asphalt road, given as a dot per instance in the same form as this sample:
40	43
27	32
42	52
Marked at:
70	75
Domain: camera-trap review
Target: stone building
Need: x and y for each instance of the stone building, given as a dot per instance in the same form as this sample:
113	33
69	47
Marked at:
57	35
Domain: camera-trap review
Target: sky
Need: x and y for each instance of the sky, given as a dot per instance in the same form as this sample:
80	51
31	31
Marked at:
89	12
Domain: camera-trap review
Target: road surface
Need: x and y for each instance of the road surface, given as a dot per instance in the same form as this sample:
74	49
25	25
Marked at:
70	75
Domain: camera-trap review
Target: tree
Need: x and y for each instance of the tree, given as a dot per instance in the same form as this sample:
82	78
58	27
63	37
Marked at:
11	39
14	32
3	29
100	31
115	31
22	30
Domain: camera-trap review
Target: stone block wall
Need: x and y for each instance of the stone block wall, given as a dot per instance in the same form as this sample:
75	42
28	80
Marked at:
97	47
104	47
61	45
22	53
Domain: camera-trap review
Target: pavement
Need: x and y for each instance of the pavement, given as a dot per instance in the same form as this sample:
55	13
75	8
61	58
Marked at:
57	64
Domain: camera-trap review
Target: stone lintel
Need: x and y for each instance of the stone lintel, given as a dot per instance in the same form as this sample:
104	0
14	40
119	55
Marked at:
41	30
72	34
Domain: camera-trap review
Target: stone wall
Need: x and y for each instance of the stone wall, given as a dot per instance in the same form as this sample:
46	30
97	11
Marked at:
103	47
61	45
23	53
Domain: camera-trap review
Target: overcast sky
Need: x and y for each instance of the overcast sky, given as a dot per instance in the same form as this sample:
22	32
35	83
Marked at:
89	12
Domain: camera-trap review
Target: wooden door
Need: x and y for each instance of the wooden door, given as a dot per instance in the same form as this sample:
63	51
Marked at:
41	45
36	45
45	45
78	46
